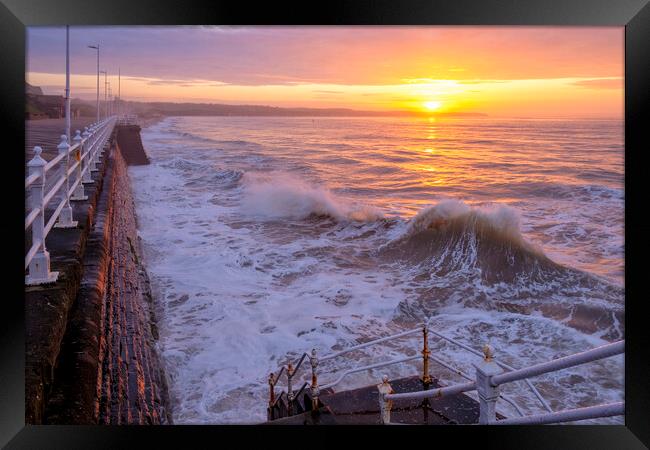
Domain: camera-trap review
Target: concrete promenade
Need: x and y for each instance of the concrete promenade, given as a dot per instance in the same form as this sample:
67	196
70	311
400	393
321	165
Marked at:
90	354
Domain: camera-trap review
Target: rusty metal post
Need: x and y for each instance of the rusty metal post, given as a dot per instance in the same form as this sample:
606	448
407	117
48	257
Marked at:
271	396
289	389
271	390
426	378
384	404
313	360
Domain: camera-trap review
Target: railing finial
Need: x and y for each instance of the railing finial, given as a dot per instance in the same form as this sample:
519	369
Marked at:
488	353
384	404
37	160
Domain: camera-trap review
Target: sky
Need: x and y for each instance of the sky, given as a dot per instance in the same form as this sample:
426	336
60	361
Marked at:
499	71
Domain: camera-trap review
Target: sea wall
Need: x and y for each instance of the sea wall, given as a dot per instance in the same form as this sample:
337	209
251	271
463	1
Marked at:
129	140
91	336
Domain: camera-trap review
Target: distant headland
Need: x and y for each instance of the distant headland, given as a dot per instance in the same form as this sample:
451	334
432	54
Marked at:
44	106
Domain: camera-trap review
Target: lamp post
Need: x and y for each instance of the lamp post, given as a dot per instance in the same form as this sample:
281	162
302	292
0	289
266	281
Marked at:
65	217
67	82
105	93
96	47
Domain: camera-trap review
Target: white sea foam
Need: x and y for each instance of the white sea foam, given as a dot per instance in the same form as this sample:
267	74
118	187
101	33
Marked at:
251	270
279	195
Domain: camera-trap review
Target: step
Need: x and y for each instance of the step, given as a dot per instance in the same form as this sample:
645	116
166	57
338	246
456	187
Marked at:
361	407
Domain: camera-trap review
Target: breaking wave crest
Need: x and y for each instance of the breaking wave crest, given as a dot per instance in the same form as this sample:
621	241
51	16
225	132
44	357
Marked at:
453	236
478	257
278	195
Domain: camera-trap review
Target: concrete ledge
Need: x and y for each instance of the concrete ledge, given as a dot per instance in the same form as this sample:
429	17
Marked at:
47	307
90	337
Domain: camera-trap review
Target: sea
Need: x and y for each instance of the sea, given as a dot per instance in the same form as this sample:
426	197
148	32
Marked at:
266	237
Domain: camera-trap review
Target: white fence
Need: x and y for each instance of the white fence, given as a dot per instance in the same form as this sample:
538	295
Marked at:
128	119
489	376
86	150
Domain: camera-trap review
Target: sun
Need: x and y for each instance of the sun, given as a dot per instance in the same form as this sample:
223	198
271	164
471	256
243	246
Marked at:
432	105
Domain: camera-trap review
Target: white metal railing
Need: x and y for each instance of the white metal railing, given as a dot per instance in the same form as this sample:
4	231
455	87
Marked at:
489	376
86	150
128	119
426	357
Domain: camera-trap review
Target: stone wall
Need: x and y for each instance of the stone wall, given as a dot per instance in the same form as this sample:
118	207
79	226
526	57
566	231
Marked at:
92	358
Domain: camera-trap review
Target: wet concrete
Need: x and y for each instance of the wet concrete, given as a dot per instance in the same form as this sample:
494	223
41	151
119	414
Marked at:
90	337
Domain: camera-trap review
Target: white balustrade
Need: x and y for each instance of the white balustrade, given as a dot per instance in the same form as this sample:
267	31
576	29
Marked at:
84	149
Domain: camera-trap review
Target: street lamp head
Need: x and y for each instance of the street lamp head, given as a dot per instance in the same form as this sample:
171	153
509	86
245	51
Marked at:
93	46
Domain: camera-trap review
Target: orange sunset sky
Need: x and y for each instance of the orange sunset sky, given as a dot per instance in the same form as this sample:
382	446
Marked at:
500	71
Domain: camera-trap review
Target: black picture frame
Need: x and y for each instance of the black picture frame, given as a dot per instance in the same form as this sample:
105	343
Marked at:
15	15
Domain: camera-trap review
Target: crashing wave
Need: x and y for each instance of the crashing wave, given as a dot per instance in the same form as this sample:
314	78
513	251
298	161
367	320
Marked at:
278	195
452	236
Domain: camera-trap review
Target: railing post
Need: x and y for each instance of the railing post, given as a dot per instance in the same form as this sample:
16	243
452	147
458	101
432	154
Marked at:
313	360
99	149
271	396
384	404
39	266
65	217
91	157
85	162
271	390
487	394
426	378
289	389
78	194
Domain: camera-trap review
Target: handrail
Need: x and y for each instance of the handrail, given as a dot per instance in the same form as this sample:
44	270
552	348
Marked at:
302	358
368	367
488	381
487	393
425	328
410	332
502	364
369	343
604	351
570	415
440	392
88	147
467	377
347	350
31	178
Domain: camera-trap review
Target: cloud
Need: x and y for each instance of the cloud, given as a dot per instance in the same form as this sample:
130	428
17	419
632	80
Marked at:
321	91
370	55
600	83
